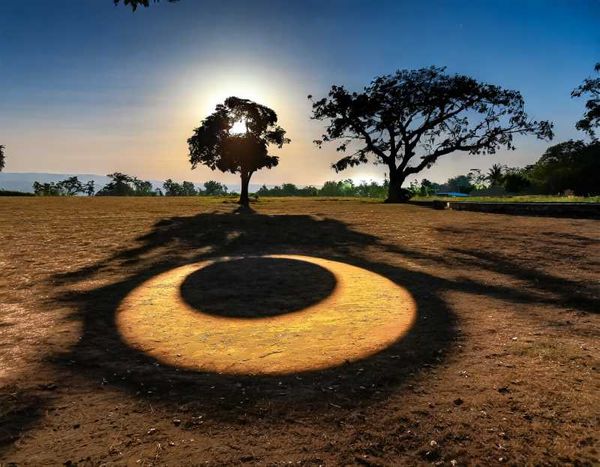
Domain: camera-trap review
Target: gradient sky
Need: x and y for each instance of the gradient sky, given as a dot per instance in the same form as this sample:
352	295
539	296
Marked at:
87	87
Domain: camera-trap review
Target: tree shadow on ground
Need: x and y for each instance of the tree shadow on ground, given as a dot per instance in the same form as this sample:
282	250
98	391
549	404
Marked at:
102	353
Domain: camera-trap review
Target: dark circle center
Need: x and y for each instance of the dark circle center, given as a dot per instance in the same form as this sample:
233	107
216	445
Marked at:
257	287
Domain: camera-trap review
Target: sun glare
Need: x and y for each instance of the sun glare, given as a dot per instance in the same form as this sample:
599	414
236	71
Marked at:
238	128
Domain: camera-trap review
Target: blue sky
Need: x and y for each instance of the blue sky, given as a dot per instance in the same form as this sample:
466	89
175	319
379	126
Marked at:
92	88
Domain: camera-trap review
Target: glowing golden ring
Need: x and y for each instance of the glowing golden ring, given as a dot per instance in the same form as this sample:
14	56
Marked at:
364	314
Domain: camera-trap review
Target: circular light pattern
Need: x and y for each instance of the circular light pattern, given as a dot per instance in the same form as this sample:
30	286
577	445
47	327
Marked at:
364	314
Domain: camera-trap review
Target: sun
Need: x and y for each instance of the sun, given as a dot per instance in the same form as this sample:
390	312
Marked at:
238	128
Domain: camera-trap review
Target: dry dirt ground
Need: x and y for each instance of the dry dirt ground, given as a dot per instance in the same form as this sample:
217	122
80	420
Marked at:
500	367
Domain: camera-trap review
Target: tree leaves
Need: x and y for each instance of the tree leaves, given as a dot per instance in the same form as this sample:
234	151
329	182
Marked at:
591	118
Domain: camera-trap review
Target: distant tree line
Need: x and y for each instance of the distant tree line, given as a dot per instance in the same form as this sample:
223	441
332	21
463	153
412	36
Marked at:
68	187
126	185
121	184
331	188
211	188
568	167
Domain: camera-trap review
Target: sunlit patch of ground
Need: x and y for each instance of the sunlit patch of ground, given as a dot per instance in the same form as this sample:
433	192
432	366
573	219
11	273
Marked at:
362	315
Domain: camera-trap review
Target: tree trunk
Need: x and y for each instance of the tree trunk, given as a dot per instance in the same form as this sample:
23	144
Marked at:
244	199
396	194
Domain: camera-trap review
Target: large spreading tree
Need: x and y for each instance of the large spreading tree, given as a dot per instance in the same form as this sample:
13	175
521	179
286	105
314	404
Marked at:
409	119
215	145
2	159
591	119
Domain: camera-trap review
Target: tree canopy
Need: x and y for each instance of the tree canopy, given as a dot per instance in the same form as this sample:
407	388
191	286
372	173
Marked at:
347	187
495	175
571	165
215	145
2	159
409	119
213	188
591	118
179	189
126	185
135	3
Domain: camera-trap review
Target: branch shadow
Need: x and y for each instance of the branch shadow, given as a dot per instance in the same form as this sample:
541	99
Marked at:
538	286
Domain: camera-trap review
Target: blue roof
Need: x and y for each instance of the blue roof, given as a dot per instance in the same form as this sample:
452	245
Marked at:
453	194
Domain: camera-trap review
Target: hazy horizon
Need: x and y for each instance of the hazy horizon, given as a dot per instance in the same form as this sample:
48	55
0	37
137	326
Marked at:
88	87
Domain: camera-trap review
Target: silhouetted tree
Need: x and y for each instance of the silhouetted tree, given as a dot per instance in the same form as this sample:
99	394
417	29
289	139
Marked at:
460	184
330	188
89	188
120	185
515	180
477	179
213	188
46	189
213	144
571	165
426	188
125	185
189	189
409	119
495	175
591	118
2	157
341	188
70	186
143	187
172	188
175	189
135	3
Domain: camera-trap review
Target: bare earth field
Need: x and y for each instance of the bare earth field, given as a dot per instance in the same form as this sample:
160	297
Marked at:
499	367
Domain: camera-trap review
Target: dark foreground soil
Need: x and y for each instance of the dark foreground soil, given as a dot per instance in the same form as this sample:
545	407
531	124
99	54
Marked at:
501	366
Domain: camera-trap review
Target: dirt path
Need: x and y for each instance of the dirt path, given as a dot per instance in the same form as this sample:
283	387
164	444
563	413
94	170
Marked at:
501	365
